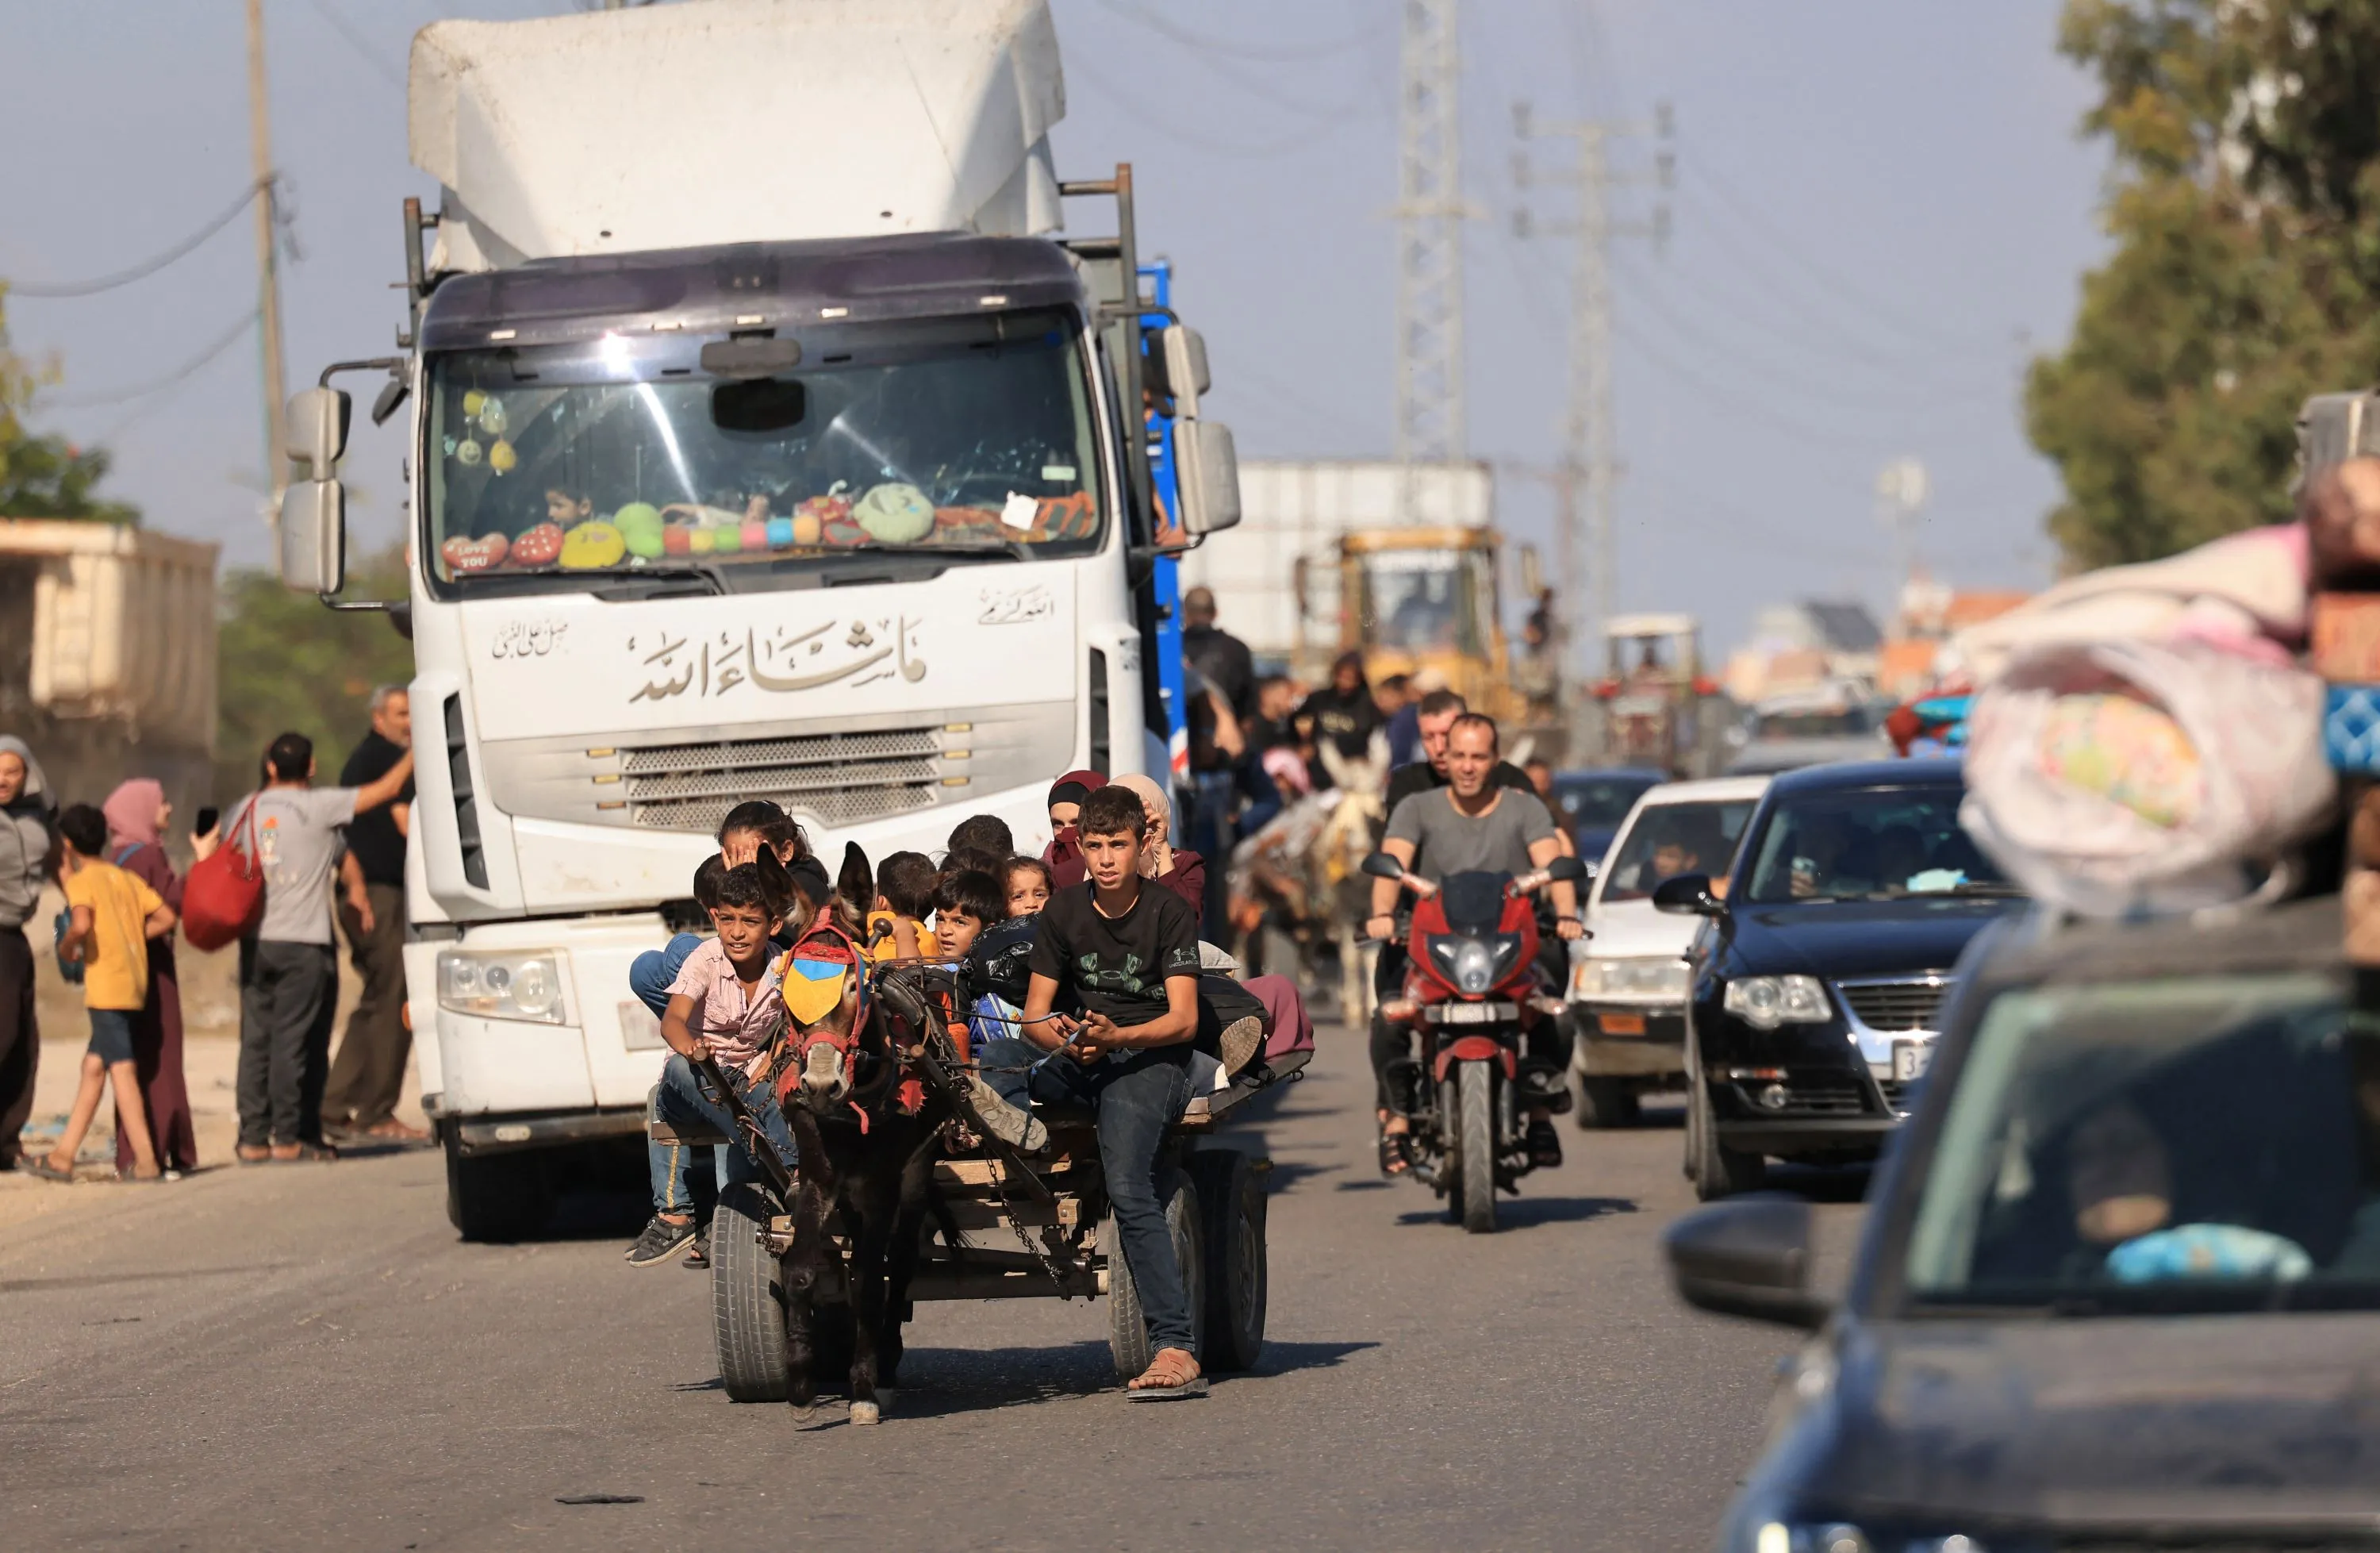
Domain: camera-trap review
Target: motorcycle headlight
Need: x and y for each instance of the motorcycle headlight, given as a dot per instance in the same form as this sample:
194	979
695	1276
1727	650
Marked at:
505	984
1473	965
1766	1002
1651	980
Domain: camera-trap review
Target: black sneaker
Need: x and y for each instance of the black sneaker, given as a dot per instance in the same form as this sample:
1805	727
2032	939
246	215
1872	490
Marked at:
1545	1145
661	1240
699	1254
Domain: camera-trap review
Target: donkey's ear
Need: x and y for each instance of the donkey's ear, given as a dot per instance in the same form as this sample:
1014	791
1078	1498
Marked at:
856	882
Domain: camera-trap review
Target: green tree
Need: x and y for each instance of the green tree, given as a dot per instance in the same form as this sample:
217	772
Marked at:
287	665
44	476
2245	207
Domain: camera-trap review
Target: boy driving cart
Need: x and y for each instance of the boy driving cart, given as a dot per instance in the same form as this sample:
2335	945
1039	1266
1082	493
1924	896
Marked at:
1122	961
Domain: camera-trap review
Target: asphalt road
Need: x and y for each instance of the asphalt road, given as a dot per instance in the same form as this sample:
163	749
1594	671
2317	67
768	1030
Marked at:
305	1356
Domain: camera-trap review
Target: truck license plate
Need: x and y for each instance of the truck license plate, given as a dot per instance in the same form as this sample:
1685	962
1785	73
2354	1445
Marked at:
1910	1060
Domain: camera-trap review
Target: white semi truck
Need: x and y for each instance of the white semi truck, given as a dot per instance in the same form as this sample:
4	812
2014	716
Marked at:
765	444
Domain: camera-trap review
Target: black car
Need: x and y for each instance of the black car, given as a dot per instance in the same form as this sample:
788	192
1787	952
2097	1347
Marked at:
1824	962
2119	1285
1596	802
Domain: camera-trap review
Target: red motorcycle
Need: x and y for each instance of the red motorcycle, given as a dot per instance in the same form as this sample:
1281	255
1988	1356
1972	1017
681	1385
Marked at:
1473	992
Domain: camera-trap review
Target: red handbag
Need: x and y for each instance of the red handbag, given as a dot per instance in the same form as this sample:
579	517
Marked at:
223	898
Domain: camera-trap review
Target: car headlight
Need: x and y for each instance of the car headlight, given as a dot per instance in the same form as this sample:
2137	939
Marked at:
1651	979
1766	1002
505	984
1841	1536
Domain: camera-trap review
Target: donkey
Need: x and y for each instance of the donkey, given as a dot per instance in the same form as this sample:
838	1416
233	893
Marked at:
865	1133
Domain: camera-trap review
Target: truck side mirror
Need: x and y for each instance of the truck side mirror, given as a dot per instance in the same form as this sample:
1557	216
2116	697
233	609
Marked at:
1185	368
315	428
1381	865
1208	469
314	535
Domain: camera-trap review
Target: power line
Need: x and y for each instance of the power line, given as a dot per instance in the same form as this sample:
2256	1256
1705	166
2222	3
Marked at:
1299	141
359	44
1754	408
65	290
142	390
1166	27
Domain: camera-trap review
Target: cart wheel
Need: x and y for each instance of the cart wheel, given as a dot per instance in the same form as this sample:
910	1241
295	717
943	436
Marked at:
1232	1193
747	1297
1127	1326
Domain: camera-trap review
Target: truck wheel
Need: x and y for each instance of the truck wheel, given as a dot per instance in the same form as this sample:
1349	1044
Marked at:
1127	1325
1475	1148
1716	1171
1232	1195
495	1197
748	1299
1606	1103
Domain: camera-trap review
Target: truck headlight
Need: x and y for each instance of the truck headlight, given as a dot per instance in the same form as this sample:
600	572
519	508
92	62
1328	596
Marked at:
1841	1536
1766	1002
505	984
1647	981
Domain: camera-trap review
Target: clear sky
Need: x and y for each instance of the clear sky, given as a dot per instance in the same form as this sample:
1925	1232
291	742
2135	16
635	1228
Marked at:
1881	207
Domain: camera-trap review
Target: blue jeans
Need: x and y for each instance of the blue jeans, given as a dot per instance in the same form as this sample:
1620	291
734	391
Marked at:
681	1102
650	975
1139	1096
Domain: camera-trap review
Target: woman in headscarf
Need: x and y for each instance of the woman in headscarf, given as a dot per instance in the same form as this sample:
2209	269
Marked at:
1065	853
26	844
1177	868
137	815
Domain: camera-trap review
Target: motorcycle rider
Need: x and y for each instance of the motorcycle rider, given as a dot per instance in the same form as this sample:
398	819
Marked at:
1472	824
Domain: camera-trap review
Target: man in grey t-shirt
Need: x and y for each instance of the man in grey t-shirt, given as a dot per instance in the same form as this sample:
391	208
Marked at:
1468	825
288	971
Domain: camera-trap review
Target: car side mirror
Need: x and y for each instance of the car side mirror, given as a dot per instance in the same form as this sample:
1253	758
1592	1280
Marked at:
1749	1257
314	427
1380	865
1568	870
314	536
1207	470
1688	895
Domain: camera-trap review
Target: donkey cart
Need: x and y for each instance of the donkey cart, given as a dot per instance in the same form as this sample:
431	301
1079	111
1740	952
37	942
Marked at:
1002	1226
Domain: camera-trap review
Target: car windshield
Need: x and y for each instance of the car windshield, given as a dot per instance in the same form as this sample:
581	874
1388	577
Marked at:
1669	839
2182	1144
1600	802
1828	722
1869	844
620	463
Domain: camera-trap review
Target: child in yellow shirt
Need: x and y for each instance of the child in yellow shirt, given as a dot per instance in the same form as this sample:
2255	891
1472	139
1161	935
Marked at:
115	914
904	897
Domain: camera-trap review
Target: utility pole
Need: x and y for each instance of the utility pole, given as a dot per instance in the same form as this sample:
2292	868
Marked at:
1430	213
268	301
1585	543
1901	491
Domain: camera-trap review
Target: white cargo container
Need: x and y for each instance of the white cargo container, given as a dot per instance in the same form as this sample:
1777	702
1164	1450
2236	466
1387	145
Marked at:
107	654
1276	578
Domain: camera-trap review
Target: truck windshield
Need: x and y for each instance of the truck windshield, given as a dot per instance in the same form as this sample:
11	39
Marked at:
621	463
2142	1146
1420	601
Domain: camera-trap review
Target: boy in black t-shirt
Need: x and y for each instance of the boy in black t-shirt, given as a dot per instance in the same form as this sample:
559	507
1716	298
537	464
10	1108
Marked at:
1127	956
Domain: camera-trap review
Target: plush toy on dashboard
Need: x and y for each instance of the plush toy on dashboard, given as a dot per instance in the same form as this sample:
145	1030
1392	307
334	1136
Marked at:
895	513
592	545
539	547
464	554
812	516
640	529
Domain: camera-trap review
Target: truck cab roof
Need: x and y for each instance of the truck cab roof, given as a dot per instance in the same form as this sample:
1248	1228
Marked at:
749	286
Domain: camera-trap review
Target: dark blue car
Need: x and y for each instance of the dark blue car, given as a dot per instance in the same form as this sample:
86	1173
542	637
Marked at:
1821	970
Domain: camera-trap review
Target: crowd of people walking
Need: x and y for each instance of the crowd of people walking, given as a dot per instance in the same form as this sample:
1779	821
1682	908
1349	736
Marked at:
319	854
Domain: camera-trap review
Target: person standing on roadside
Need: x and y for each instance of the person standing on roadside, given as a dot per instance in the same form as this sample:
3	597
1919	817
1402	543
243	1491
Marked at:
288	971
137	815
1342	716
26	843
368	1077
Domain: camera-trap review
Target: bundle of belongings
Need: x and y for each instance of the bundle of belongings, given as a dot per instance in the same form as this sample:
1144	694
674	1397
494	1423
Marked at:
2149	739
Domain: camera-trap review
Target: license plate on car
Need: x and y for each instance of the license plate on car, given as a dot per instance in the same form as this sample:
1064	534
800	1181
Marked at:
1621	1024
1910	1060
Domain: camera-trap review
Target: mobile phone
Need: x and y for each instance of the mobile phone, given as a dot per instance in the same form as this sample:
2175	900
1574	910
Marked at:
207	818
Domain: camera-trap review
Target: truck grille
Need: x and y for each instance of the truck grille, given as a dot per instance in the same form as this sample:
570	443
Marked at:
1896	1005
839	778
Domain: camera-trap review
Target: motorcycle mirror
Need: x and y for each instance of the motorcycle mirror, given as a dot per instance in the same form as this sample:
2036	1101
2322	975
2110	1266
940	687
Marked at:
1566	868
1380	865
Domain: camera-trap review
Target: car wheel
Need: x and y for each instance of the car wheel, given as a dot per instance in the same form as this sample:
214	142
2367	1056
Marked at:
1716	1170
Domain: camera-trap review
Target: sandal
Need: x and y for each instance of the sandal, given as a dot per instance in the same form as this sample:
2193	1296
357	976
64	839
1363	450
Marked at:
303	1154
1394	1161
253	1153
1172	1374
38	1164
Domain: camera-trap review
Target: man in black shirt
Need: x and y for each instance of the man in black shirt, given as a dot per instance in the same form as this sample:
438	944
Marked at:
368	1077
1436	711
1126	956
1222	659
